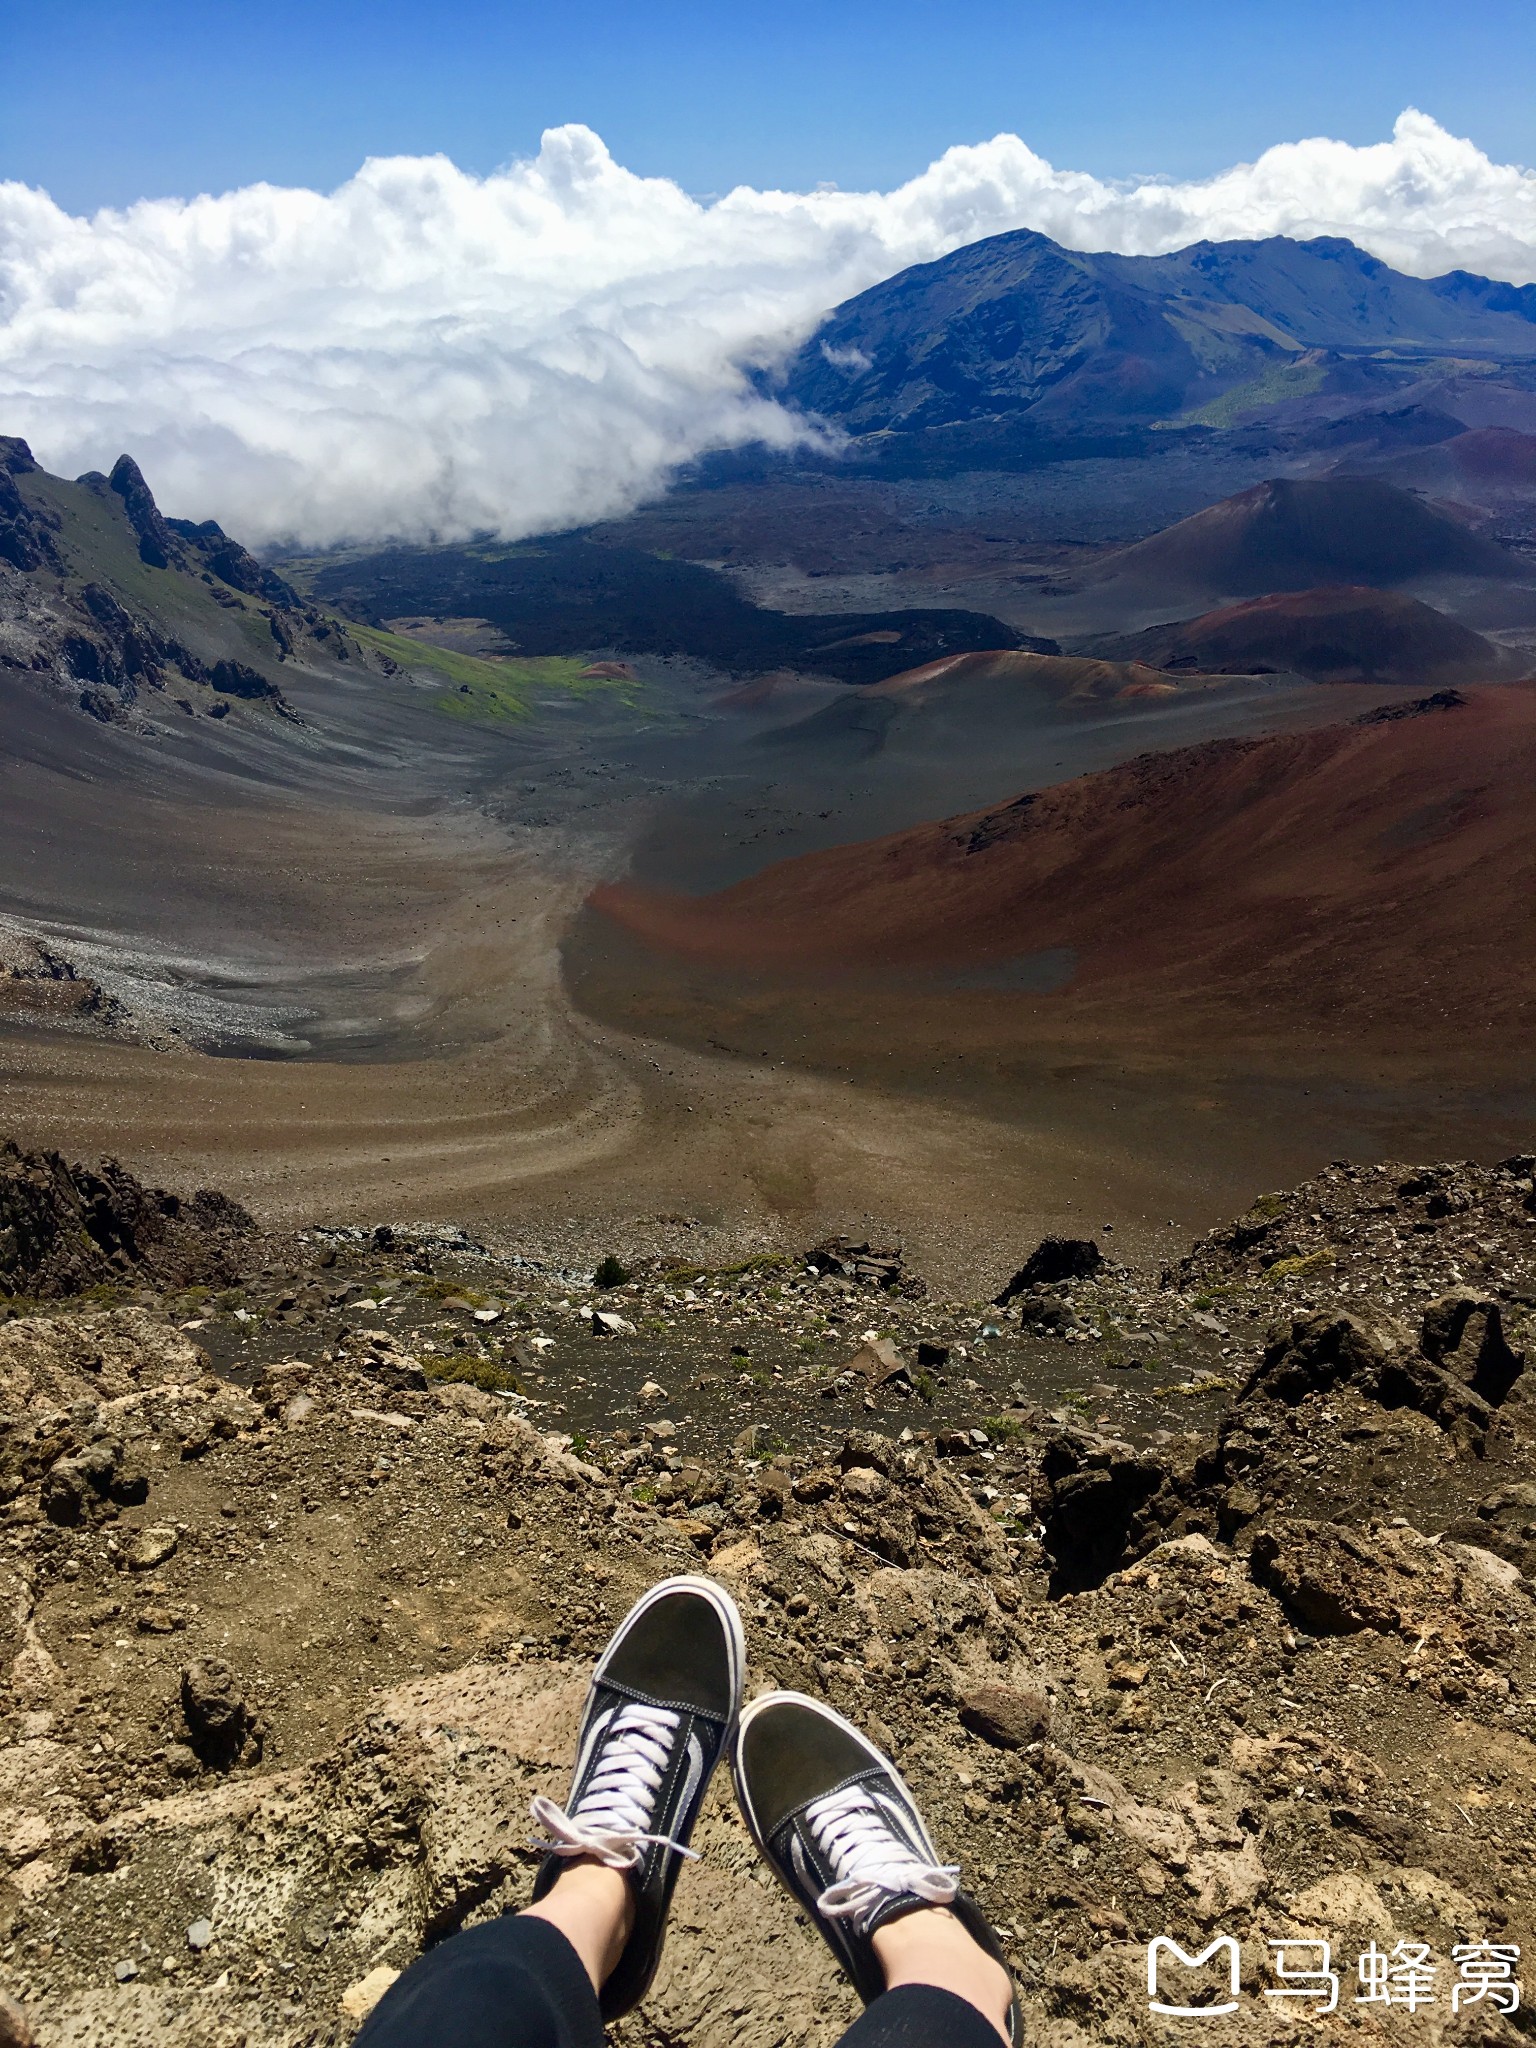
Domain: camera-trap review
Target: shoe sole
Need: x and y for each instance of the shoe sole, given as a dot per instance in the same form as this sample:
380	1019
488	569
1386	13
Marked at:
725	1607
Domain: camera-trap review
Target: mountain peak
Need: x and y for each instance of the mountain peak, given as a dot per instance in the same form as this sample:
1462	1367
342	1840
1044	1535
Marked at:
157	544
1016	326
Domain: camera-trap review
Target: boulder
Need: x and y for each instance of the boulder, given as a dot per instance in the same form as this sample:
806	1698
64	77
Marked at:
879	1363
1053	1260
1102	1504
150	1548
214	1708
1006	1716
1333	1580
1464	1335
1317	1352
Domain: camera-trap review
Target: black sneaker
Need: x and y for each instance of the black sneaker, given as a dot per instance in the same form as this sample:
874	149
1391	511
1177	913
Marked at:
843	1834
664	1699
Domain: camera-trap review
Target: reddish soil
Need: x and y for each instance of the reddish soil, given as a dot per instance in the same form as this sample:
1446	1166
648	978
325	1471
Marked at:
1362	886
1297	535
1347	634
999	693
1496	453
1058	675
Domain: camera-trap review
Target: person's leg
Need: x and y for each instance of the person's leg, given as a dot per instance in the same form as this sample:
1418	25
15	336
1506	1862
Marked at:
516	1982
663	1701
842	1832
920	2016
594	1908
932	1948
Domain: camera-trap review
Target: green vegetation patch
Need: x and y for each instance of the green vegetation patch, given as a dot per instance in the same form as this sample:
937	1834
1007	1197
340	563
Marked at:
494	690
1309	1262
690	1276
448	1290
1003	1428
484	1373
1270	387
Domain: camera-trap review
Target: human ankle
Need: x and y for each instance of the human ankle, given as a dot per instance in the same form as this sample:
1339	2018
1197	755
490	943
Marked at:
593	1906
931	1947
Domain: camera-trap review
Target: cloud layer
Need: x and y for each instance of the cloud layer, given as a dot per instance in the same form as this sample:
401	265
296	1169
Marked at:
423	353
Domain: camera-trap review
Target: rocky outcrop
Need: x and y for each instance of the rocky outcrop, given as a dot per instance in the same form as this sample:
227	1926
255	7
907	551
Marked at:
854	1262
1103	1503
1338	1581
239	679
27	534
40	984
64	1228
232	564
68	613
1462	1369
220	1726
157	544
1053	1260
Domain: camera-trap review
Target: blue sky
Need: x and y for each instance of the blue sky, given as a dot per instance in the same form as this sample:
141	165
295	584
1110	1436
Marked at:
110	100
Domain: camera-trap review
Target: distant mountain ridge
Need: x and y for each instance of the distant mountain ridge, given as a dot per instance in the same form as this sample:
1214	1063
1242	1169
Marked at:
133	616
1018	326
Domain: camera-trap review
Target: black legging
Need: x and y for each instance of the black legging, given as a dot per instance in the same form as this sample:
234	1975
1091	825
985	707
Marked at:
518	1983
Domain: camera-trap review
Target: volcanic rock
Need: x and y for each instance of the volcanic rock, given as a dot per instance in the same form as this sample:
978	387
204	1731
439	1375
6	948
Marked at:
1464	1334
217	1717
26	531
879	1362
1005	1716
158	546
64	1227
1054	1259
861	1263
1102	1503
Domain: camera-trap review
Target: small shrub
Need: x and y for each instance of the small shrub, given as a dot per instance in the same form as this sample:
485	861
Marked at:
448	1290
483	1373
1308	1262
610	1273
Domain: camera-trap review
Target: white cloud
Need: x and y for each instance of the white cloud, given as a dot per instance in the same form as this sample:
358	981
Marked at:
425	352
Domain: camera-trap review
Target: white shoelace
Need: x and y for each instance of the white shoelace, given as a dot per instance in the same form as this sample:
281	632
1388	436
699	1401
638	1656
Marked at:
872	1863
610	1819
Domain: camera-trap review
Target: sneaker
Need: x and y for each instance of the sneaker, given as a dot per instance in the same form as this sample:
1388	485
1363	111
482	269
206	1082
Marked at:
842	1833
662	1705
